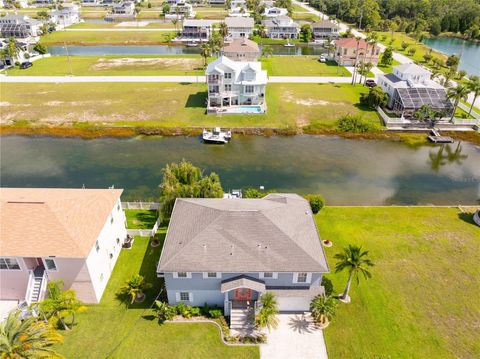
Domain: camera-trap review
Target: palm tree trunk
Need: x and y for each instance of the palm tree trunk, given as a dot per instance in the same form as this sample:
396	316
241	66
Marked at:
454	109
347	287
65	326
473	102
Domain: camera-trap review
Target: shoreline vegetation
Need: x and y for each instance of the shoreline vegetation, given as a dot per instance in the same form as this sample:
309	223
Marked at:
99	131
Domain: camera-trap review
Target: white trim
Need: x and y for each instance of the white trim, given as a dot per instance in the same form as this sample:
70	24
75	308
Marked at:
175	275
218	275
295	278
17	261
274	275
46	267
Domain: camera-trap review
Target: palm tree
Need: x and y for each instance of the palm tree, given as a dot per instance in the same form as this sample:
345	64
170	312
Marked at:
134	288
355	261
12	50
447	76
60	305
27	338
205	52
474	86
354	77
223	29
175	22
267	51
458	93
323	309
267	316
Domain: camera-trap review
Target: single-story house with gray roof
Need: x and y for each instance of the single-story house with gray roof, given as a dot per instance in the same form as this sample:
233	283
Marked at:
228	252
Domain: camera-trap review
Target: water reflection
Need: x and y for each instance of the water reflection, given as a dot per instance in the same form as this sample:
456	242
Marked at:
445	155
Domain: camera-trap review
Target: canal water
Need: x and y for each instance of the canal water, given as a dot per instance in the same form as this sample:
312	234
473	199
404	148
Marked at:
103	50
346	172
468	51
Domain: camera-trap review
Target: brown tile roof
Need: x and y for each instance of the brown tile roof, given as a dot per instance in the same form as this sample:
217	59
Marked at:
242	45
274	234
351	42
42	222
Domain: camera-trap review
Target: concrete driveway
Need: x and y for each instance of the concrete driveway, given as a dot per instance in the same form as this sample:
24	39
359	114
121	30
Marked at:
295	338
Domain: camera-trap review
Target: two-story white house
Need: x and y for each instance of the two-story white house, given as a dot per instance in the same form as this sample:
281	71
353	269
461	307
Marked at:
409	87
180	10
197	29
228	252
66	16
239	27
122	11
325	30
73	235
235	86
281	27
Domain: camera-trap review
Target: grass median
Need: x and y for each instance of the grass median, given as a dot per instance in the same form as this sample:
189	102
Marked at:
107	37
301	66
421	301
167	105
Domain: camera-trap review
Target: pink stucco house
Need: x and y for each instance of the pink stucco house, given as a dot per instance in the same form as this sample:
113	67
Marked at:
47	234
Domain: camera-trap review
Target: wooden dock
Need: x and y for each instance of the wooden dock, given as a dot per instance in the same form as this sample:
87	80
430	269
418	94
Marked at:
435	137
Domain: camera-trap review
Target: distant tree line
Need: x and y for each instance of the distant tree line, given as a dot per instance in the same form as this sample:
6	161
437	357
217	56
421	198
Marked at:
435	16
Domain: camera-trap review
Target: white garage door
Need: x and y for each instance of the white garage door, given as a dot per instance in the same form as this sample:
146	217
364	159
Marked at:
293	304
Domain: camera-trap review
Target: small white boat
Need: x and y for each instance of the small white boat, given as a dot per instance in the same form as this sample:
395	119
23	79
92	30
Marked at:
216	136
288	44
192	44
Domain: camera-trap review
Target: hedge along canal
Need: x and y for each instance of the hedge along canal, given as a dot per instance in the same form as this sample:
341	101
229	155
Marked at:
345	171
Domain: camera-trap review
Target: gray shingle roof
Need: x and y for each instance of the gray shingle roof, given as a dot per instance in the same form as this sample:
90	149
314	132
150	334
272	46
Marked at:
274	234
242	282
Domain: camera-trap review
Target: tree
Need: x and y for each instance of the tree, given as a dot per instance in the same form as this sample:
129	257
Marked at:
12	50
27	338
323	309
134	288
41	49
374	98
43	15
205	52
354	76
404	45
456	94
412	51
474	86
184	180
60	305
267	51
164	311
175	22
447	76
387	57
427	57
363	70
452	61
267	315
424	113
306	31
316	202
356	262
223	29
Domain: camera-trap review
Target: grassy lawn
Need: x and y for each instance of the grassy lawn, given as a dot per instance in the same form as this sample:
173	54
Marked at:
115	65
106	38
301	66
305	16
113	25
94	13
174	105
112	330
211	15
140	218
422	299
388	68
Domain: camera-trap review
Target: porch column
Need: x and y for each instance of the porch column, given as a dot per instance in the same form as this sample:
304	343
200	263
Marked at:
226	307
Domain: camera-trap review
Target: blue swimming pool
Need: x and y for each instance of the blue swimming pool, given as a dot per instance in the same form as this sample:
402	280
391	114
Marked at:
245	109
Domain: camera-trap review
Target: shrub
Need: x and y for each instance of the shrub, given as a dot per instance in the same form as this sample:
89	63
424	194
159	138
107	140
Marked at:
316	202
40	49
181	308
328	285
194	311
215	313
353	123
205	310
374	98
164	311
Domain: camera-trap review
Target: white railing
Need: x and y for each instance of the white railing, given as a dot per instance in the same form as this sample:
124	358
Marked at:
43	287
145	232
141	205
29	287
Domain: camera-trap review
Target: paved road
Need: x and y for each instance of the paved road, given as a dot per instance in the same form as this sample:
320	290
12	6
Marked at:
174	79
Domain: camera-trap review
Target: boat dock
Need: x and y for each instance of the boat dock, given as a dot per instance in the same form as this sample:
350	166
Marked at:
435	137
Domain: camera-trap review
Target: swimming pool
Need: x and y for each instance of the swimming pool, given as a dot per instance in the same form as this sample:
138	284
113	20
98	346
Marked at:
245	109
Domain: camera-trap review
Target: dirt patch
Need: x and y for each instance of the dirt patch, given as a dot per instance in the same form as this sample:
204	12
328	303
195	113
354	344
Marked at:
132	24
288	95
164	63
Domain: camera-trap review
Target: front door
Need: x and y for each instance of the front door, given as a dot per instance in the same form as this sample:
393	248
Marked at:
242	294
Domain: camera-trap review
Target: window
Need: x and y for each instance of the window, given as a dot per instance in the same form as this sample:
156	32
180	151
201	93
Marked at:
101	277
185	296
302	277
97	246
268	275
9	264
50	264
212	275
182	275
249	89
228	87
118	240
228	75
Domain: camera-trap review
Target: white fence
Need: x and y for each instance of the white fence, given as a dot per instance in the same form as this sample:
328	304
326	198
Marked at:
145	232
141	205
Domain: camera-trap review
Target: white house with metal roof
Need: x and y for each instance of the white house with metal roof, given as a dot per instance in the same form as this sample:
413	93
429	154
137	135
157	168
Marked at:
228	252
235	85
281	27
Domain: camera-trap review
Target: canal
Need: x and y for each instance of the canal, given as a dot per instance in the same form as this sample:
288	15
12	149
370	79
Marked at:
346	172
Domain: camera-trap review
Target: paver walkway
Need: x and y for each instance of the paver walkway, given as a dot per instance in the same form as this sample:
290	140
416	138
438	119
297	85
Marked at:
295	338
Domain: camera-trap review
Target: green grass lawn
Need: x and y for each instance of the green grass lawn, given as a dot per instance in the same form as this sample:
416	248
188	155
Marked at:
305	16
141	218
106	38
176	105
388	68
301	66
422	299
116	25
112	330
115	65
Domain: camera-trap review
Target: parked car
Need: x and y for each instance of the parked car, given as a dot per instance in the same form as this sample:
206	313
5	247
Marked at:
322	58
25	65
370	83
